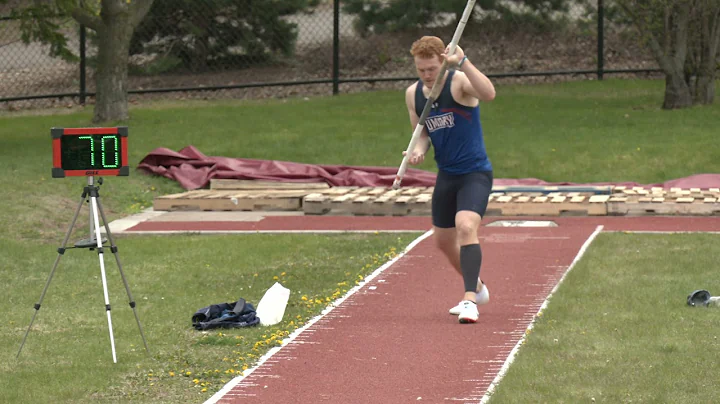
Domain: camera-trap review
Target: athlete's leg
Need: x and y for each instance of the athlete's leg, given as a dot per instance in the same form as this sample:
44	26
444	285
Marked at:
473	197
444	204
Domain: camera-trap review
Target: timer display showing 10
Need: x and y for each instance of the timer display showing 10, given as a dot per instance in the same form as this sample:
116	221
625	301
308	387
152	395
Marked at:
89	151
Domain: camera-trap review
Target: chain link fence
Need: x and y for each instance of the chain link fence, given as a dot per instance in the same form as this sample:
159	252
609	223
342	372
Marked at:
207	49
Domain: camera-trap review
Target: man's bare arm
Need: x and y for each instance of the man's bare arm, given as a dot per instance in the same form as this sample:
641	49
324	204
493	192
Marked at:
423	142
478	85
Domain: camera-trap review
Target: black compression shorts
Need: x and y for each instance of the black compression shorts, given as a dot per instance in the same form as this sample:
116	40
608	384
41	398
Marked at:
454	193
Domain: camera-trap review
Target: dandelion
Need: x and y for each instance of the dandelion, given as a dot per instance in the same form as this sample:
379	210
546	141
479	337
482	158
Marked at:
283	274
275	278
188	373
172	374
196	381
304	298
204	390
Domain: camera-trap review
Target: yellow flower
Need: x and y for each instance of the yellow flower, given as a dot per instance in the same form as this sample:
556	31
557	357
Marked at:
303	298
275	278
282	274
204	390
196	381
188	373
172	374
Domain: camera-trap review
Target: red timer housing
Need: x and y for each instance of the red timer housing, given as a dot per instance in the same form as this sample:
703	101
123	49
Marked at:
88	152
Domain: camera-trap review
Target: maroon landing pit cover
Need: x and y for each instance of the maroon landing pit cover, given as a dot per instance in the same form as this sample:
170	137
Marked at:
193	170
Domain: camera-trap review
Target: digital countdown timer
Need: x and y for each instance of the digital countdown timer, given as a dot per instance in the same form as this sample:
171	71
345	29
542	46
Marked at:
89	152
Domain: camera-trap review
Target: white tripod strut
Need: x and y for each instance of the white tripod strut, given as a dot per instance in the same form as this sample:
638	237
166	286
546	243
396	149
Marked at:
98	238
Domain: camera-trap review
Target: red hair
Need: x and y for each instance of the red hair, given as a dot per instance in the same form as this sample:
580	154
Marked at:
427	47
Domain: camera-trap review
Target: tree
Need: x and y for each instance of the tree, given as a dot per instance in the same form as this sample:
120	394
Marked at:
683	36
202	34
701	65
397	15
113	21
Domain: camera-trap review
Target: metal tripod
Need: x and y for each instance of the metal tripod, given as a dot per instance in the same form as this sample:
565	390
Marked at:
91	194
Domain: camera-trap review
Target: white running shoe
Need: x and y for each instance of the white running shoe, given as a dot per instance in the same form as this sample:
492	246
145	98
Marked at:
481	297
469	312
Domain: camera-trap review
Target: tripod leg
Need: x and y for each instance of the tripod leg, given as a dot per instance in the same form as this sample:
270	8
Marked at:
61	251
114	250
102	272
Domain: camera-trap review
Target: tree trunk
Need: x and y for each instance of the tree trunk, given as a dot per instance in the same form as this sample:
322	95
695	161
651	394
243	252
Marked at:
677	92
705	88
112	71
710	29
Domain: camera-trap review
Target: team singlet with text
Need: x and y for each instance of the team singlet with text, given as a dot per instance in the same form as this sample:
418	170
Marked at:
455	132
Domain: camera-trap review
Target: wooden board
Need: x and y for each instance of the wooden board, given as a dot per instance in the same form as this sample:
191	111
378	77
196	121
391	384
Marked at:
225	184
209	200
551	204
401	202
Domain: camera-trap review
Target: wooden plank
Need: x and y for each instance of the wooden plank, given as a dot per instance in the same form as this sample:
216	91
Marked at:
599	198
504	199
249	203
665	209
424	198
413	190
340	190
230	184
377	191
547	209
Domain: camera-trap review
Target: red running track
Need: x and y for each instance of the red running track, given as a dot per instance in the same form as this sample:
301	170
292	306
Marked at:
394	342
422	223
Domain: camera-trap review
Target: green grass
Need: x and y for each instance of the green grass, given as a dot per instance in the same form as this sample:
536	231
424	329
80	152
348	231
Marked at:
577	132
68	349
619	329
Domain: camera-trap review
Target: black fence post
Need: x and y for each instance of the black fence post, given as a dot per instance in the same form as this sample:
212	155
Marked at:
601	39
336	46
83	88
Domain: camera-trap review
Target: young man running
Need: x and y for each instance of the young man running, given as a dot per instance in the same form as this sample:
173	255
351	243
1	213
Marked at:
465	177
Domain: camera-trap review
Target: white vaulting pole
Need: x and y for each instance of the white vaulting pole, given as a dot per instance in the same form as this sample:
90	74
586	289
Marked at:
434	93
